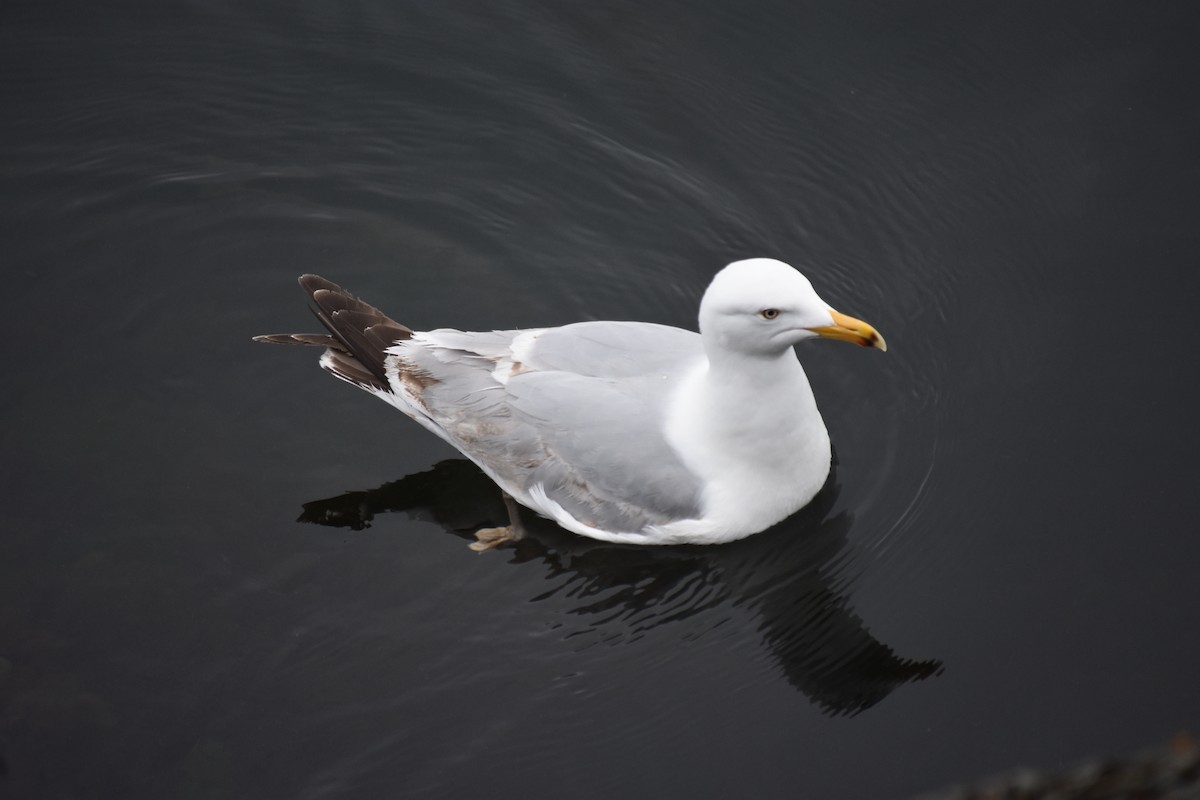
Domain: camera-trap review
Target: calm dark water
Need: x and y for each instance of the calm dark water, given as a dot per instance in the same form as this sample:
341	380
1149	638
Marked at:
1002	572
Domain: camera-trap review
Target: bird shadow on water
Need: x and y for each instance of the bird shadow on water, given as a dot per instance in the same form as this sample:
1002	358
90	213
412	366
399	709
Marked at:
787	577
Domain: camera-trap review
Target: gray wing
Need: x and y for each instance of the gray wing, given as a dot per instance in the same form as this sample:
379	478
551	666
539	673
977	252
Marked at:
616	349
578	410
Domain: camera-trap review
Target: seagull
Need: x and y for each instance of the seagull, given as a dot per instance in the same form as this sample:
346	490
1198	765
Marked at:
628	432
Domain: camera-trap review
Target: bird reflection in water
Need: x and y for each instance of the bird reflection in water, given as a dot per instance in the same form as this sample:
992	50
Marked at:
787	577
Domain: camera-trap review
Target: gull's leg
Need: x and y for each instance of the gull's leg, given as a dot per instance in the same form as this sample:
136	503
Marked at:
494	537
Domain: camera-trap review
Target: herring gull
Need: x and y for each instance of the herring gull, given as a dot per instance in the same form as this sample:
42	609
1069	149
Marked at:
627	432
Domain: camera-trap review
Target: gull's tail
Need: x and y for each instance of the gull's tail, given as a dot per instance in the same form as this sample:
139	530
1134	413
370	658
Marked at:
360	335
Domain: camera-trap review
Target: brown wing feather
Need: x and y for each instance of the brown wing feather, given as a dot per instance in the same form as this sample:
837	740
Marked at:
360	332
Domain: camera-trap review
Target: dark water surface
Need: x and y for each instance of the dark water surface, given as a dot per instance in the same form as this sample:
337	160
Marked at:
1004	571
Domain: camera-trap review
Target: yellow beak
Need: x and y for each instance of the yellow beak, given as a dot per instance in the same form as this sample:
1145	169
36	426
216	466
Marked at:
849	329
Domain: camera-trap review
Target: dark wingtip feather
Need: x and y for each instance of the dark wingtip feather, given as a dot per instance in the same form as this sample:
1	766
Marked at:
360	332
315	339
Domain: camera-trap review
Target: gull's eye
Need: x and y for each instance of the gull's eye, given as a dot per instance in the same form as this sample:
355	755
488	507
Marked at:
769	313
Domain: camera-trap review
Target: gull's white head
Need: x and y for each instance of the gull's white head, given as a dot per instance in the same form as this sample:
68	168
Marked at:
761	307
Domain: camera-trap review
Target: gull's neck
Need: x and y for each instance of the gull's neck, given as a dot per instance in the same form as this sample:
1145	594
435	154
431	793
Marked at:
757	371
759	401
